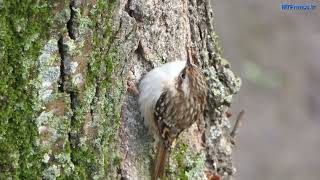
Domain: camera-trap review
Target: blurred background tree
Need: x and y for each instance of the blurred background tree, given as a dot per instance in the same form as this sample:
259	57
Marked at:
277	55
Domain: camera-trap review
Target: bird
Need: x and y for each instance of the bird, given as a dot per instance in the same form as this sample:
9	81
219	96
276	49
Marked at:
171	98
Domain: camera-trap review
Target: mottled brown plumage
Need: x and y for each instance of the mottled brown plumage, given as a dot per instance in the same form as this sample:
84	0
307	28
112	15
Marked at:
177	109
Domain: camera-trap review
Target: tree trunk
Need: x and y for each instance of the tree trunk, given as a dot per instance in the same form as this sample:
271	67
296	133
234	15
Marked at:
64	107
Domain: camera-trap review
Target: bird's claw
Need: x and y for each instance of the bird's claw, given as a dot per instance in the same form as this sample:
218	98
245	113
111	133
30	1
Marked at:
132	88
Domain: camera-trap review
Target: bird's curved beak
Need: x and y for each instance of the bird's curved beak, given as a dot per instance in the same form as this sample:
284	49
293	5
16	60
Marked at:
189	58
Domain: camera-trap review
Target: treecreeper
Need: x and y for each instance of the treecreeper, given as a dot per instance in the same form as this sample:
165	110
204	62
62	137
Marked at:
171	98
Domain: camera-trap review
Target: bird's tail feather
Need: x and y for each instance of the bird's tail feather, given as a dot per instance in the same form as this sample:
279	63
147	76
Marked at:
160	161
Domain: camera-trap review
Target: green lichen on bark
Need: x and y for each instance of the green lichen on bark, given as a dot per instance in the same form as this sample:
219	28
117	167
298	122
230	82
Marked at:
185	162
24	29
96	115
53	128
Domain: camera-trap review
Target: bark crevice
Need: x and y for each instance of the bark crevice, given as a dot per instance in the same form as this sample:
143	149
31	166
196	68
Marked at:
61	82
71	24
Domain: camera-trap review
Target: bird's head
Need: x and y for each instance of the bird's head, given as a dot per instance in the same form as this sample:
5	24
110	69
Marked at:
191	81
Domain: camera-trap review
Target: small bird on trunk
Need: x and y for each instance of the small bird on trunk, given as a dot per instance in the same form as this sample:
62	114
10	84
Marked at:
172	97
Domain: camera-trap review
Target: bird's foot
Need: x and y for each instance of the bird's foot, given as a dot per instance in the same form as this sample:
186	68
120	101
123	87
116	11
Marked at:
132	88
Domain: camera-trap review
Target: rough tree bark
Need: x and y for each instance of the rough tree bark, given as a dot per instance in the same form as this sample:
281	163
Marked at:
65	111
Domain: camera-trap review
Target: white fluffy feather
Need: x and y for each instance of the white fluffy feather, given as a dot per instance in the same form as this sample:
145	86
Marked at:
152	85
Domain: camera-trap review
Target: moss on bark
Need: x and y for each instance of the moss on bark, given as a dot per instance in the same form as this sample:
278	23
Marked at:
24	30
54	124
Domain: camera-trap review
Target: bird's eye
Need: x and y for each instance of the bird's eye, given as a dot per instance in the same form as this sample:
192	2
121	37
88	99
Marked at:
183	75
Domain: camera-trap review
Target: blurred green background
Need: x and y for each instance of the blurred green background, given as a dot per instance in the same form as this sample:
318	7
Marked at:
277	55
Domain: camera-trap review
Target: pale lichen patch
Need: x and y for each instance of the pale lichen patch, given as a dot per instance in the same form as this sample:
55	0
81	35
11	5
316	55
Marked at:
46	158
52	172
